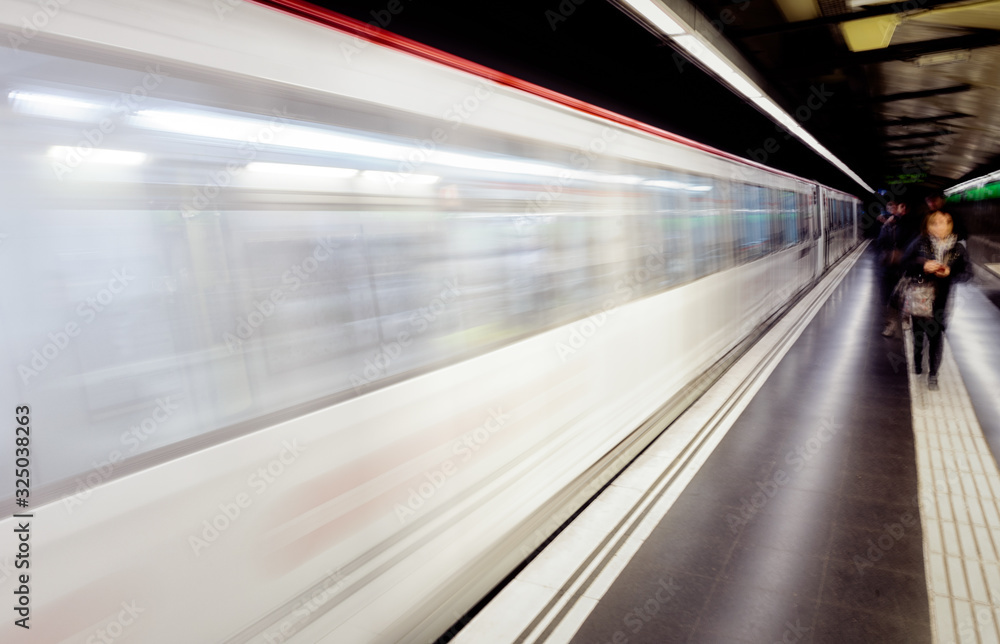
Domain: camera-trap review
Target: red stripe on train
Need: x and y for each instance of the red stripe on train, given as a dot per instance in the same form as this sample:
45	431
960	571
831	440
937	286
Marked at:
377	35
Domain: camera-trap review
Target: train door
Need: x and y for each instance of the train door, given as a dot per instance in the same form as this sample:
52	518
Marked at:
819	208
857	212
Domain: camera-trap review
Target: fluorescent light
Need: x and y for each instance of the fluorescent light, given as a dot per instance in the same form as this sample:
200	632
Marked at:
701	52
115	157
698	188
973	183
771	109
943	58
656	15
688	40
302	170
743	86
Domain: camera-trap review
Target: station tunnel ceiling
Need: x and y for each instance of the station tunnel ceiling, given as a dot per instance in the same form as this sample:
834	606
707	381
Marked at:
923	75
908	90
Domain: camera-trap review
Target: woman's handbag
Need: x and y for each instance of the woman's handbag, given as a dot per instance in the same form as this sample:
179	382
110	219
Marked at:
918	298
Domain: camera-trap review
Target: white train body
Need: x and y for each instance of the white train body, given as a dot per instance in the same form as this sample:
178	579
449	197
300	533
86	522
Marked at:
320	338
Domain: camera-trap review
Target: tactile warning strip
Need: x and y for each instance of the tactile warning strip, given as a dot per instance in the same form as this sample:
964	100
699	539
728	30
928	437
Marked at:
959	485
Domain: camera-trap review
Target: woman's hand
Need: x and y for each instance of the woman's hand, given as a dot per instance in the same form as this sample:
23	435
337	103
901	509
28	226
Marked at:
932	266
944	271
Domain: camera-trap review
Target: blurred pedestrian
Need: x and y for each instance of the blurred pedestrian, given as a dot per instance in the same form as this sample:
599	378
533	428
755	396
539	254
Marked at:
898	232
936	258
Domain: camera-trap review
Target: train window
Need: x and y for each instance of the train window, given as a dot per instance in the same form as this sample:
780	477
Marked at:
802	208
757	229
738	198
703	221
789	217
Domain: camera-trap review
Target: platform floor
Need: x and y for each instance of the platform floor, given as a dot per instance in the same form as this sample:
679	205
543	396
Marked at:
771	539
846	504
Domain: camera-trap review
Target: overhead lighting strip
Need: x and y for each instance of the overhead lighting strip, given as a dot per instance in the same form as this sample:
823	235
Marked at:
973	183
665	21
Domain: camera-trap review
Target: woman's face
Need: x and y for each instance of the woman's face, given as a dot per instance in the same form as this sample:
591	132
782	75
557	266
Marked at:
939	226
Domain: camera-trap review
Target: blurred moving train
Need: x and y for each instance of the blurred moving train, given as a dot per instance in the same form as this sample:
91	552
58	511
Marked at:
322	332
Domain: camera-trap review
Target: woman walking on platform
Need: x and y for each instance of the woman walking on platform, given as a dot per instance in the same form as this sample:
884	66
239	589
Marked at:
935	258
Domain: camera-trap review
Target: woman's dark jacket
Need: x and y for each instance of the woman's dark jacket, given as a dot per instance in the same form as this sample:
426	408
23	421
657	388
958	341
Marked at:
957	259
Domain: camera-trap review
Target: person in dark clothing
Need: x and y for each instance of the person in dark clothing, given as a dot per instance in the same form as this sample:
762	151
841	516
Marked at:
897	234
939	258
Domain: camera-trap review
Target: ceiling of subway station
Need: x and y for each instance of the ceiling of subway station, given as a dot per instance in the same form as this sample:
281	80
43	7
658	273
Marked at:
909	88
923	77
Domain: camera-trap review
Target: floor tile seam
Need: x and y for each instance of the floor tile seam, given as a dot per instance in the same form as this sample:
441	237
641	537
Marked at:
847	562
717	578
992	592
704	604
890	504
901	569
893	614
862	610
971	528
942	600
951	546
995	610
983	467
993	528
822	584
842	524
968	485
949	590
981	578
956	576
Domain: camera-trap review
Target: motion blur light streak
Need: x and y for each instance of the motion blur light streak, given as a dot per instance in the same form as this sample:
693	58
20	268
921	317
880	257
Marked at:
387	177
714	62
98	155
778	114
51	105
508	166
669	185
655	14
302	170
202	125
250	130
